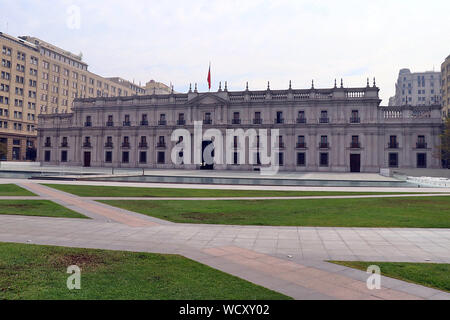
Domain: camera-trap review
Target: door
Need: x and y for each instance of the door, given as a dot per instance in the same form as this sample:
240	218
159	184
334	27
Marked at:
355	163
87	159
207	164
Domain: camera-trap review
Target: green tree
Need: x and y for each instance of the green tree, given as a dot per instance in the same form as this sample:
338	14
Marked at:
443	150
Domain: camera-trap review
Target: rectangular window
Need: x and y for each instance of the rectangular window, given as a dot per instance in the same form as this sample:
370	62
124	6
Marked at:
393	160
142	157
281	159
235	158
47	156
125	156
421	160
324	159
161	157
63	156
301	159
108	156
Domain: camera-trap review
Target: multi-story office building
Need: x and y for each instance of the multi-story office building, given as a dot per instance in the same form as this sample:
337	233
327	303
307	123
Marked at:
153	87
417	88
338	129
39	78
445	75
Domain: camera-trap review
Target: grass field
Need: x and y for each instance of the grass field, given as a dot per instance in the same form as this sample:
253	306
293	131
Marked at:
434	275
417	212
108	191
39	272
13	190
44	208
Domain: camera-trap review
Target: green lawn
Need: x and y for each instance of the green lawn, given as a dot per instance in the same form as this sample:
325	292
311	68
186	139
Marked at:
107	191
39	272
43	208
13	190
434	275
420	212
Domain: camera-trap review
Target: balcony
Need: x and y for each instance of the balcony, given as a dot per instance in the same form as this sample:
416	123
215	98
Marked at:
88	124
279	120
110	124
355	120
64	145
421	145
207	121
236	121
126	123
125	145
355	145
257	121
301	145
109	145
47	145
181	122
143	145
393	145
87	145
324	145
324	120
301	120
161	145
162	122
144	123
280	145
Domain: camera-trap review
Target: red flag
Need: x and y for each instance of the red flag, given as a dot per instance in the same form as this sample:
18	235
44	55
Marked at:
209	77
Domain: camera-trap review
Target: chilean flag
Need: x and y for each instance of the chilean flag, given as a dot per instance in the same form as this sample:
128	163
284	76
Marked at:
209	77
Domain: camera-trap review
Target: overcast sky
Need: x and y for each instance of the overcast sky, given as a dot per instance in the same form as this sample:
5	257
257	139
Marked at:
246	40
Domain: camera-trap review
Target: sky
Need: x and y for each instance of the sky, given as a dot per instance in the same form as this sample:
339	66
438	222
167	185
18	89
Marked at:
252	40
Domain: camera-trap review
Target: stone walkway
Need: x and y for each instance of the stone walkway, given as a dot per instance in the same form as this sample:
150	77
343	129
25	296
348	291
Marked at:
290	260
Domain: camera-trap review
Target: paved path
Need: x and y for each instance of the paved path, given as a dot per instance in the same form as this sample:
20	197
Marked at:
286	259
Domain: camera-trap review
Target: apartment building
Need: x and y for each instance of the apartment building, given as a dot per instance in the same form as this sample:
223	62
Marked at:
37	77
337	130
417	88
445	75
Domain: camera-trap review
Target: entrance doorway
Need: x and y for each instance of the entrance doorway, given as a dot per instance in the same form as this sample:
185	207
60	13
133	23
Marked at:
205	165
355	163
87	159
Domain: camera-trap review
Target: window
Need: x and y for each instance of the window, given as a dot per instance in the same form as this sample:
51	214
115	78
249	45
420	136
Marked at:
393	144
323	116
236	118
47	156
281	159
301	159
161	157
108	156
355	117
125	156
393	160
64	156
324	159
421	160
301	142
323	142
355	142
142	157
279	118
301	117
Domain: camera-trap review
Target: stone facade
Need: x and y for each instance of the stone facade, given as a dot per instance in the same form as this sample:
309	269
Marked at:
337	129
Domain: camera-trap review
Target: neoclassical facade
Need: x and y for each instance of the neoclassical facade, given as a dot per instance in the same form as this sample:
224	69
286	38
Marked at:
337	129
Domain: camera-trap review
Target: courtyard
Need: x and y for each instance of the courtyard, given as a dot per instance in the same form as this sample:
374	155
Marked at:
266	242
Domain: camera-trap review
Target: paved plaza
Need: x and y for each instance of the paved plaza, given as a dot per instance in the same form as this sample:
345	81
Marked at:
290	260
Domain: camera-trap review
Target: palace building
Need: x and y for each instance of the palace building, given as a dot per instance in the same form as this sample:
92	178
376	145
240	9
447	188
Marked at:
337	129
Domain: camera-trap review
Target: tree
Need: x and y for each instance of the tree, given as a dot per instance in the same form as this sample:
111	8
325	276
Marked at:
443	150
